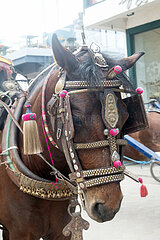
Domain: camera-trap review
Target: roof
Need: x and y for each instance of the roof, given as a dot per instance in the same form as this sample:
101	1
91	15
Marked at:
5	61
5	64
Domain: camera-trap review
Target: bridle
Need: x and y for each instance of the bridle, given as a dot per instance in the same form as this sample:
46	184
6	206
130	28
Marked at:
59	109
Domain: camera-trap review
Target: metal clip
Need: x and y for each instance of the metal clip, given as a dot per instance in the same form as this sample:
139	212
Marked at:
59	132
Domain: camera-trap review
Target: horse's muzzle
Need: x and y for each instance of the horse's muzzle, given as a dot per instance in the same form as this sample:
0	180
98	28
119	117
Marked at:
102	214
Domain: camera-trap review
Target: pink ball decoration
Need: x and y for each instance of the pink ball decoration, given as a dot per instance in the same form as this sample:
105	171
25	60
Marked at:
63	94
140	180
117	164
114	131
139	90
117	69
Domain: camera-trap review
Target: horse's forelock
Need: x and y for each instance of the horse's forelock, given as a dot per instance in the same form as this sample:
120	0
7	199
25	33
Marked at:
90	72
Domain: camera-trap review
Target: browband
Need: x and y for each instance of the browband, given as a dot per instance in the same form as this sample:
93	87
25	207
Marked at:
85	84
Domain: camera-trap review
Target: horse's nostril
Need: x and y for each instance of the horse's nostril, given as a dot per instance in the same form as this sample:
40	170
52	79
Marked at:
99	209
101	213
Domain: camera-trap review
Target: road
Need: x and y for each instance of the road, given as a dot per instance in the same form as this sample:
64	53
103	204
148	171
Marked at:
138	218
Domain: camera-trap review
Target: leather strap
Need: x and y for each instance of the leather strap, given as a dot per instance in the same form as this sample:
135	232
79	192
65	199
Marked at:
11	115
85	84
98	144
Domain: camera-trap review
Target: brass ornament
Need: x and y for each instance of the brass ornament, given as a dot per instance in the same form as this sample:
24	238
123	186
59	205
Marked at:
44	190
100	60
60	84
111	74
111	112
75	227
115	156
77	224
46	194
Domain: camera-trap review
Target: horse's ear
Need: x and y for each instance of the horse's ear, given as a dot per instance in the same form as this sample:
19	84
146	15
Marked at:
128	62
63	56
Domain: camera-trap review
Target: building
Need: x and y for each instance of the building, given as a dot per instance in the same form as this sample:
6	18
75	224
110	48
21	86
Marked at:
140	21
35	54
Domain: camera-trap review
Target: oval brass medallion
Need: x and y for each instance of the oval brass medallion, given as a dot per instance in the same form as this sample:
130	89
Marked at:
111	112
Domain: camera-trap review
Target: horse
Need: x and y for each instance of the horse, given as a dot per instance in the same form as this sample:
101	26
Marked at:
150	137
37	194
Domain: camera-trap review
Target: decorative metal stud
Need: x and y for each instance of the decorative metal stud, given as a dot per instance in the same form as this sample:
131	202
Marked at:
115	156
78	174
81	185
105	132
74	161
75	167
72	155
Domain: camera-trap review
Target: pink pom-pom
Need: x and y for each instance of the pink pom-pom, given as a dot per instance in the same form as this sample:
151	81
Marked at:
63	94
29	116
117	164
117	69
114	131
140	180
139	90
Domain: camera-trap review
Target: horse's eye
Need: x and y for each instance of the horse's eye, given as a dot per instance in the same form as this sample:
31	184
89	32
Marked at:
77	121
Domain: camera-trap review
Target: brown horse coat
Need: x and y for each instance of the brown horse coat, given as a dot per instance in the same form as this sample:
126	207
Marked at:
150	137
29	218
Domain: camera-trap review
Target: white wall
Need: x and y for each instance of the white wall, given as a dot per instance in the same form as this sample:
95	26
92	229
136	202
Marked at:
110	14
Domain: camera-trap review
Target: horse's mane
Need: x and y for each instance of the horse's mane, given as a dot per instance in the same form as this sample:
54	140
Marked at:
92	73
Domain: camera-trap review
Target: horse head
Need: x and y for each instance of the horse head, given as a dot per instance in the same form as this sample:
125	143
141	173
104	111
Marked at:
84	123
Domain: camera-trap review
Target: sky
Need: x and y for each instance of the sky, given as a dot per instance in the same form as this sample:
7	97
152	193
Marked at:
33	17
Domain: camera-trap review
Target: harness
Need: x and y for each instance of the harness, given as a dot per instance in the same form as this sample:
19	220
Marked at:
59	108
65	132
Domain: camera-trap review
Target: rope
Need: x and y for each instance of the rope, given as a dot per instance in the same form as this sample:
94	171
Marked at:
8	149
43	109
139	162
49	151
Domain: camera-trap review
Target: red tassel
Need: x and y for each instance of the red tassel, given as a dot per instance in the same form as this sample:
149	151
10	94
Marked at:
143	189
